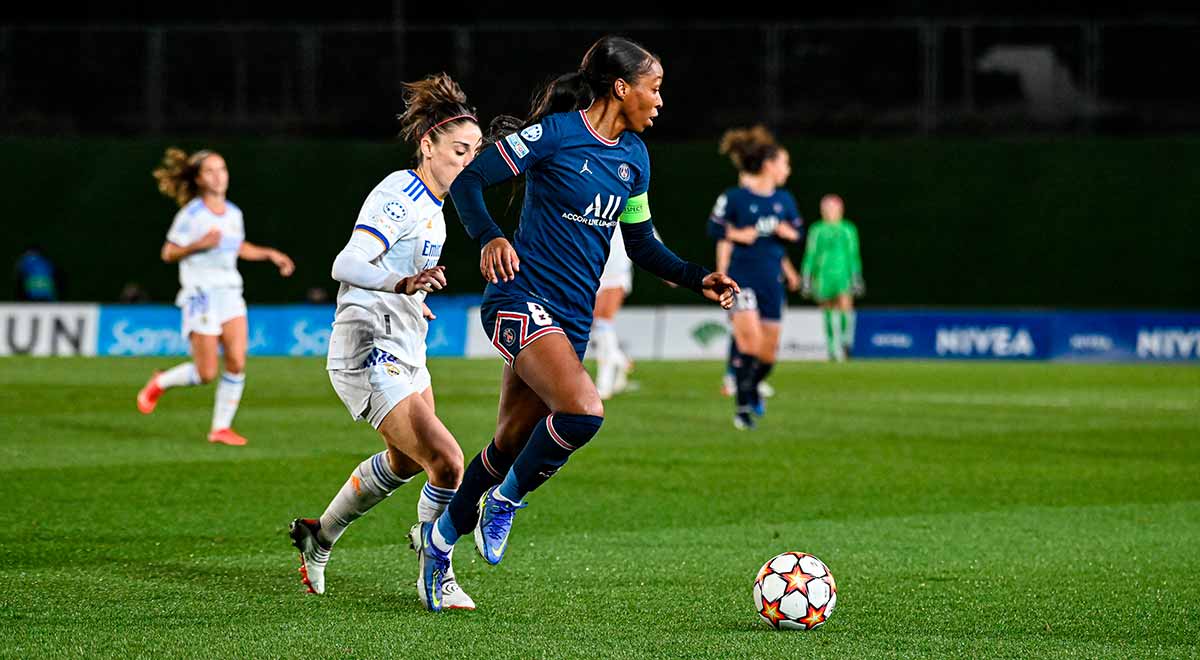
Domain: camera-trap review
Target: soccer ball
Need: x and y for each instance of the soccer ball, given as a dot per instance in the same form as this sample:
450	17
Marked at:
794	591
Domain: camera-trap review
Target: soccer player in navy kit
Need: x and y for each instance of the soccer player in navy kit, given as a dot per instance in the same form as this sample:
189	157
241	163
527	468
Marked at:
586	172
760	219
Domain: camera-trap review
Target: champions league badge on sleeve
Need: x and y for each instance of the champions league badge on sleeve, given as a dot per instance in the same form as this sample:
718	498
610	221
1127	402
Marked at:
395	211
532	133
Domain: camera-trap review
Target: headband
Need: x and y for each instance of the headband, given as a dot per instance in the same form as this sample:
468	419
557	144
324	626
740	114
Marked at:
447	121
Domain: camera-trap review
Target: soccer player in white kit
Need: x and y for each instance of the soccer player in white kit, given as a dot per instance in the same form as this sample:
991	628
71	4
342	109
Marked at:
377	348
616	282
206	239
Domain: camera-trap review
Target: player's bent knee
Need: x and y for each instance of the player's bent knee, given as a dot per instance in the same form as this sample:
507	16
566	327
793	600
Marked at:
206	374
573	429
235	365
446	467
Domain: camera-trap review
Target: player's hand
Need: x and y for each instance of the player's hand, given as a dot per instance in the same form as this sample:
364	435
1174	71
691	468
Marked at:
208	241
787	232
858	287
499	261
721	288
433	279
283	263
806	290
792	279
427	313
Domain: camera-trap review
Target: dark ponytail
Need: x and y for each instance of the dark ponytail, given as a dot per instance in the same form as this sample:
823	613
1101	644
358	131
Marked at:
610	58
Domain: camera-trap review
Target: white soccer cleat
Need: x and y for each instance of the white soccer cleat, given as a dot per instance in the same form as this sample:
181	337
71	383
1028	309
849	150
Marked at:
313	556
765	390
453	596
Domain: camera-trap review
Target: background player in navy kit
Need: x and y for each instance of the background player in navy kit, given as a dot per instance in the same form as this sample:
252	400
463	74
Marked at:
759	219
538	304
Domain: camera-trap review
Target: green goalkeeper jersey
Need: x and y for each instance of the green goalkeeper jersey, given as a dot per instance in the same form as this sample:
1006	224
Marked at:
831	257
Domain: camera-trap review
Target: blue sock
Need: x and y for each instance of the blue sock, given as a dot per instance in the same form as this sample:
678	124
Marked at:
550	445
485	470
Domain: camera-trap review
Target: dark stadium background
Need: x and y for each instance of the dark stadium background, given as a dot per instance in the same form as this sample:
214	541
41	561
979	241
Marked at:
964	196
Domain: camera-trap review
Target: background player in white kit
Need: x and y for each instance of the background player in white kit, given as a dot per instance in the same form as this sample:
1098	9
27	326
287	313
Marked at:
616	282
377	348
207	238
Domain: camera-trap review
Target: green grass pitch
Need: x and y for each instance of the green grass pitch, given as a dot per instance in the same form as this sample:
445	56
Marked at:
977	510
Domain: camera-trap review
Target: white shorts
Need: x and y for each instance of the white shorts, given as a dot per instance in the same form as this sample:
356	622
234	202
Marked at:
204	311
370	393
618	280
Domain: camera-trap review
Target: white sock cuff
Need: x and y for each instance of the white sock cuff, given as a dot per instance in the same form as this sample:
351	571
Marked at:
440	495
233	379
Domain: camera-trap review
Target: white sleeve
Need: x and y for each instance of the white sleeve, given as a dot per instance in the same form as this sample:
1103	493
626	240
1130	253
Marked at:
353	265
180	232
387	216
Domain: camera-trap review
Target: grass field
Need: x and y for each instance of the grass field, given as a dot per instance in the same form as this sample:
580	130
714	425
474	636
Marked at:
985	510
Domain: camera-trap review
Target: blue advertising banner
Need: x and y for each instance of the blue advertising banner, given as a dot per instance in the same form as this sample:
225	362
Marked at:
273	329
969	336
1068	336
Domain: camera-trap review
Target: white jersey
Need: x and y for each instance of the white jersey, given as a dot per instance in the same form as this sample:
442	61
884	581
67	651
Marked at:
215	268
406	218
618	267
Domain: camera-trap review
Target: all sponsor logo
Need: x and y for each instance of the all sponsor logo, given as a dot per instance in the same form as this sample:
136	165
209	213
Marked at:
892	340
137	339
600	213
309	342
708	332
997	341
1168	343
40	329
532	133
517	145
1091	343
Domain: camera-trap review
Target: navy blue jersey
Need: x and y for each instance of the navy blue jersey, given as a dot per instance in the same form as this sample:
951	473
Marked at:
577	184
738	207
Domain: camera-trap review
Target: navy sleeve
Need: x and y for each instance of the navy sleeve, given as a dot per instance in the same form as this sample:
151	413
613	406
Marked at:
467	192
718	218
645	250
510	157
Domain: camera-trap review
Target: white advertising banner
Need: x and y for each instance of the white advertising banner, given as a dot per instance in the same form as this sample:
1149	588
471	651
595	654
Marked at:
683	333
48	329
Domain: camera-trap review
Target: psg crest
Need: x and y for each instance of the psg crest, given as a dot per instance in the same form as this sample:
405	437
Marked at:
508	336
623	171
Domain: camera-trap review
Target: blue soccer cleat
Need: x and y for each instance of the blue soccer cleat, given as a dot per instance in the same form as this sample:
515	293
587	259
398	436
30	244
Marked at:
760	407
432	566
495	522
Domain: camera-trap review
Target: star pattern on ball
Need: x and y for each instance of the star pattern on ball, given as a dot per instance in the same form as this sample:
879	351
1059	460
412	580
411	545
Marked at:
797	580
770	611
816	616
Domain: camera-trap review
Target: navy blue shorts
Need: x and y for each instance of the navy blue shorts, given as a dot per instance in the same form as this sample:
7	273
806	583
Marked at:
515	319
760	292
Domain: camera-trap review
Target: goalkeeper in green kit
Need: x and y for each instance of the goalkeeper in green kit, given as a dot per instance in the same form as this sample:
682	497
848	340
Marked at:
832	274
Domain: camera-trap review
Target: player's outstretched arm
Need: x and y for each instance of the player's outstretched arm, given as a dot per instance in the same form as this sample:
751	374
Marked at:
251	252
645	250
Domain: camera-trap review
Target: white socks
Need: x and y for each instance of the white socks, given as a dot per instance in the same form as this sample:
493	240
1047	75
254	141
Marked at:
433	502
229	395
610	361
180	375
370	483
